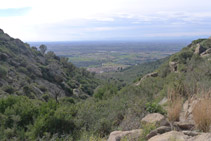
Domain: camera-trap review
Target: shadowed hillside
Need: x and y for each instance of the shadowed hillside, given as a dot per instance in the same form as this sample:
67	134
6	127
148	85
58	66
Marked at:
24	70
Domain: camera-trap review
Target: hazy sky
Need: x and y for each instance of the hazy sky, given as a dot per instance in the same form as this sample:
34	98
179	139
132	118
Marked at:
69	20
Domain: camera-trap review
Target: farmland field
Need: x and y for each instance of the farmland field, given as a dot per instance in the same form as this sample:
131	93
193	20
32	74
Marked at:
111	56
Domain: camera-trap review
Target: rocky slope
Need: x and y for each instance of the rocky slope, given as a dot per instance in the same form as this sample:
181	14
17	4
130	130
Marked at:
181	86
25	70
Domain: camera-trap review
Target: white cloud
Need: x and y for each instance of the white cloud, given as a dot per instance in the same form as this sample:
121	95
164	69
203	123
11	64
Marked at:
45	13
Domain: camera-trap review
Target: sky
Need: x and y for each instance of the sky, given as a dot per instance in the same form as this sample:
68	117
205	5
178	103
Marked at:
82	20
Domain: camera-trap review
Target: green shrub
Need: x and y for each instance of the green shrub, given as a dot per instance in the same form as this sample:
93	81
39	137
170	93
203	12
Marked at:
3	71
9	89
147	128
155	108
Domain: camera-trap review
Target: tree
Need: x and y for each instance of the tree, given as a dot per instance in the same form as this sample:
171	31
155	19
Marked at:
43	49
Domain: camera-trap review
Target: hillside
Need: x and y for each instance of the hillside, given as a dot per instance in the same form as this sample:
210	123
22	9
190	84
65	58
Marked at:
133	73
31	80
25	70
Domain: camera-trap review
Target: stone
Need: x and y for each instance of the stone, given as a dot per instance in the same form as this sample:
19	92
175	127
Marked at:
206	53
155	118
201	137
173	66
184	125
170	136
160	130
187	109
132	135
199	49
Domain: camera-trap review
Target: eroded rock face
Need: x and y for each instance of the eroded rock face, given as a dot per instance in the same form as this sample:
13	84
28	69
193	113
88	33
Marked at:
155	118
170	136
206	53
186	115
173	66
132	135
199	49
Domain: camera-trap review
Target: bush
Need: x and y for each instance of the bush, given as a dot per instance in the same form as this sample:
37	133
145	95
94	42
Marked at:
155	108
202	114
3	71
147	128
9	89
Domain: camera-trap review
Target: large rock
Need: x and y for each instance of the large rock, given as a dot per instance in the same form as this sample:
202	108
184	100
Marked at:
173	66
206	53
201	137
184	125
159	130
132	135
186	115
170	136
155	118
199	49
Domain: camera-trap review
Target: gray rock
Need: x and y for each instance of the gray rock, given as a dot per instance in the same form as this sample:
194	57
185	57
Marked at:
160	130
173	66
199	49
155	118
184	125
170	136
206	53
132	135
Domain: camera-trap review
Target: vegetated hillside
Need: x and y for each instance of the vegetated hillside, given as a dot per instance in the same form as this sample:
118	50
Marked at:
133	73
24	70
112	106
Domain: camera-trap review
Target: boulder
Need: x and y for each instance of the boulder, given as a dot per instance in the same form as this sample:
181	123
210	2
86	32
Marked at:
201	137
187	109
170	136
184	125
155	118
160	130
132	135
199	49
173	66
206	53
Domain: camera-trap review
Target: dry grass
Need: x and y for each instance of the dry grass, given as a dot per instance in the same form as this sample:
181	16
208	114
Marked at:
202	113
175	105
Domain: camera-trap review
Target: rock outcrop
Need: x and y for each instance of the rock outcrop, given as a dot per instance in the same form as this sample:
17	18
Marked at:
206	53
34	74
155	118
132	135
173	66
170	136
199	49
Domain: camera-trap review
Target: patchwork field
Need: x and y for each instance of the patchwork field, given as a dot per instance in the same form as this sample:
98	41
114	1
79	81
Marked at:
112	56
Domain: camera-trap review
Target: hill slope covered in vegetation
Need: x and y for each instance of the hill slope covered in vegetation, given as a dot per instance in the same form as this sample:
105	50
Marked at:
24	70
27	75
